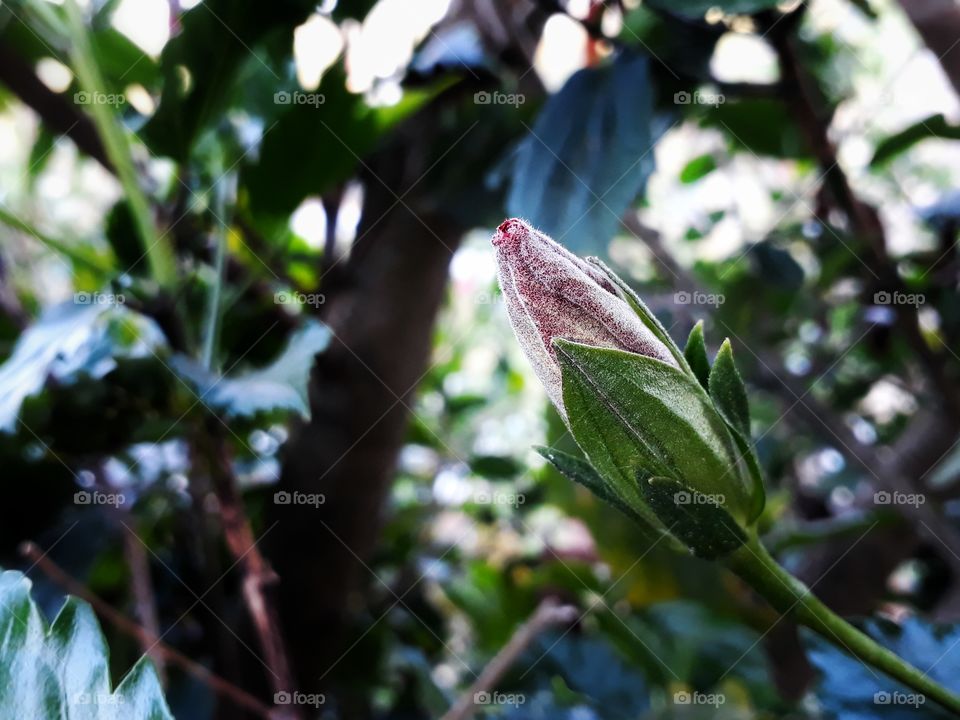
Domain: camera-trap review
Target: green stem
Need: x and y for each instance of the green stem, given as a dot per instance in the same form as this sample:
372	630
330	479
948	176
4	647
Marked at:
156	247
788	595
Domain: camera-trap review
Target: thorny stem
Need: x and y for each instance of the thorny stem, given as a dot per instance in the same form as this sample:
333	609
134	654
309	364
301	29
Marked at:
791	597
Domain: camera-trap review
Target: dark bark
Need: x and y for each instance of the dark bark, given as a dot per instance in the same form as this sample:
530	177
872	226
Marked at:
381	305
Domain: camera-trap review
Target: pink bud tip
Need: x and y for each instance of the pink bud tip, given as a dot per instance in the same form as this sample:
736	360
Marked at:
510	232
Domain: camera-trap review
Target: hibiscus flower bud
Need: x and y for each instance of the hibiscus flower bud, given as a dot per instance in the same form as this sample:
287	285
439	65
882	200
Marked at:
551	293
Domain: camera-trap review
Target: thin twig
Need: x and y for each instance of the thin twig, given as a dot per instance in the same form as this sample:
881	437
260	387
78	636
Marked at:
259	578
547	614
240	697
145	608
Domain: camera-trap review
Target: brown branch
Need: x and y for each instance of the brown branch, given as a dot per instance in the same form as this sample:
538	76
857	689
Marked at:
259	579
806	104
547	614
54	109
145	608
239	697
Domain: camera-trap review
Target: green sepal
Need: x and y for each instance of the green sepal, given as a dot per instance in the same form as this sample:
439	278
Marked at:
643	312
696	354
696	519
727	390
633	414
583	473
758	495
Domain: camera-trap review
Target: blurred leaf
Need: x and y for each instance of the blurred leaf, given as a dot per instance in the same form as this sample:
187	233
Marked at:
61	670
200	65
314	147
588	154
761	125
121	61
281	386
69	341
41	152
777	267
698	8
849	690
934	126
697	168
495	466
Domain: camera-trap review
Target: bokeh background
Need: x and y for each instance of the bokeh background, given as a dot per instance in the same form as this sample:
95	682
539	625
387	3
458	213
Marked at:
259	395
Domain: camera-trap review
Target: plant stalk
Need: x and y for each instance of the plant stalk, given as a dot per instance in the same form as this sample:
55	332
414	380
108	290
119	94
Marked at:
790	596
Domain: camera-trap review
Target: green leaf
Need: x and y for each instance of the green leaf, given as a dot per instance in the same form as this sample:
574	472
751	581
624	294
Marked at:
635	415
62	670
697	168
70	341
697	519
583	473
727	390
934	126
643	312
696	354
279	387
588	154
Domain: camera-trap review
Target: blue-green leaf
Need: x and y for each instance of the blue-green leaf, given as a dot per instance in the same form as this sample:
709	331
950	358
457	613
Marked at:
61	670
